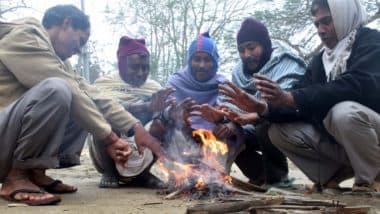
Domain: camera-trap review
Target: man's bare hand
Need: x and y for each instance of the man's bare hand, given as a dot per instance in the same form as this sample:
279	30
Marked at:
144	140
208	112
119	151
182	111
160	100
241	99
223	131
272	92
243	119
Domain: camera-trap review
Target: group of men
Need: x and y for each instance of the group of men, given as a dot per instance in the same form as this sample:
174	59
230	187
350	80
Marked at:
324	117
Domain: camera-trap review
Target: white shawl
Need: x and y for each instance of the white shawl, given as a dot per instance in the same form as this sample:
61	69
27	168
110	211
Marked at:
348	16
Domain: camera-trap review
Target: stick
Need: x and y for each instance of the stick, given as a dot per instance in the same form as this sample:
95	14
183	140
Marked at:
153	203
287	207
173	195
232	206
349	210
239	191
289	200
247	186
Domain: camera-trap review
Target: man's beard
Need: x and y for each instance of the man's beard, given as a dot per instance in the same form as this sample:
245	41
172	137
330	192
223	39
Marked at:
249	60
135	81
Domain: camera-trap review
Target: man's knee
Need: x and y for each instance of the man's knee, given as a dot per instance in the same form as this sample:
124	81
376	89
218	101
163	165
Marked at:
291	135
275	135
58	91
343	115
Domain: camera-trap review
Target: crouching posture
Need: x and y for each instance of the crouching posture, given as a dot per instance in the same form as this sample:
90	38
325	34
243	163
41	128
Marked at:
330	121
142	97
46	109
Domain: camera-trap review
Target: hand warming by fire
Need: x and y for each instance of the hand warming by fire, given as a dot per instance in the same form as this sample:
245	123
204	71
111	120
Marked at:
191	170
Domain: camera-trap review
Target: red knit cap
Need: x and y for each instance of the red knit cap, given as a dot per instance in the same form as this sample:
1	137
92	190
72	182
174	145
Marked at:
129	46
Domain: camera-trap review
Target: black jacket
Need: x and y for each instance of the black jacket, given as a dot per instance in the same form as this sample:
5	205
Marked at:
314	96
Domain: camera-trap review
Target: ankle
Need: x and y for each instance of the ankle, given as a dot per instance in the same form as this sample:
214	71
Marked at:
332	184
15	174
38	172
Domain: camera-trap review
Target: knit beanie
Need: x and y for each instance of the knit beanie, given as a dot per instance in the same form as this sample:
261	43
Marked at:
129	46
255	31
205	44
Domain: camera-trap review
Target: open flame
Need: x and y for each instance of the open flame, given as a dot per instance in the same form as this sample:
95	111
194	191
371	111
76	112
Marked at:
207	170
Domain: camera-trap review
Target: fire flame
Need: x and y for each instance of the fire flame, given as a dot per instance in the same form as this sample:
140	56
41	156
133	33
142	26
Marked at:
211	170
211	144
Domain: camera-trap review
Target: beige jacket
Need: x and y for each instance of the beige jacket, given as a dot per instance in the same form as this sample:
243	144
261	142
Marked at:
27	57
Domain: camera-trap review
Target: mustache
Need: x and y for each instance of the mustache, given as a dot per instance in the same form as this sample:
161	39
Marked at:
323	36
203	70
251	59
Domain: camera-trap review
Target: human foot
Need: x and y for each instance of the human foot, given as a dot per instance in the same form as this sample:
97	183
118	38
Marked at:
331	188
39	177
374	187
18	188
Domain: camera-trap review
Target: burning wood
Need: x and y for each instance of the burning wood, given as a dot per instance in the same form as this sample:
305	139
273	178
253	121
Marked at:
201	175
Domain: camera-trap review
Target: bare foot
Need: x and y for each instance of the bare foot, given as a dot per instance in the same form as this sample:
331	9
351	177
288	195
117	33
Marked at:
17	187
333	185
39	177
376	186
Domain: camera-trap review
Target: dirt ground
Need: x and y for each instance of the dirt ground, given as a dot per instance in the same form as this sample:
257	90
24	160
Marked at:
91	199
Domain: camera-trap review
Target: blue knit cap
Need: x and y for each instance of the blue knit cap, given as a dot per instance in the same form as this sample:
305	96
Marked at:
206	44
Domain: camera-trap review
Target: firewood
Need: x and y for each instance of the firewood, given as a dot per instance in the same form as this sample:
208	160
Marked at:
279	191
287	207
348	210
233	206
285	211
233	189
304	201
173	195
247	186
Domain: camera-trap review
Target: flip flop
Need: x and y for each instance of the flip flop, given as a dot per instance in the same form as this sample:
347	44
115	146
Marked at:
286	183
364	190
53	188
50	201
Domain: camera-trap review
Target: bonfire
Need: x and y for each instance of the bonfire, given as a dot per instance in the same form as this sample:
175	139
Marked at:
198	169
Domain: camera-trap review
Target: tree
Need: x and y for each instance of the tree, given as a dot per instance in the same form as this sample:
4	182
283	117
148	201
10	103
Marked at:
170	25
95	70
292	24
11	6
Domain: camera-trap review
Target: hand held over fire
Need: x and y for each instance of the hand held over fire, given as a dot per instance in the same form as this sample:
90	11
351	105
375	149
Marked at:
272	92
241	99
